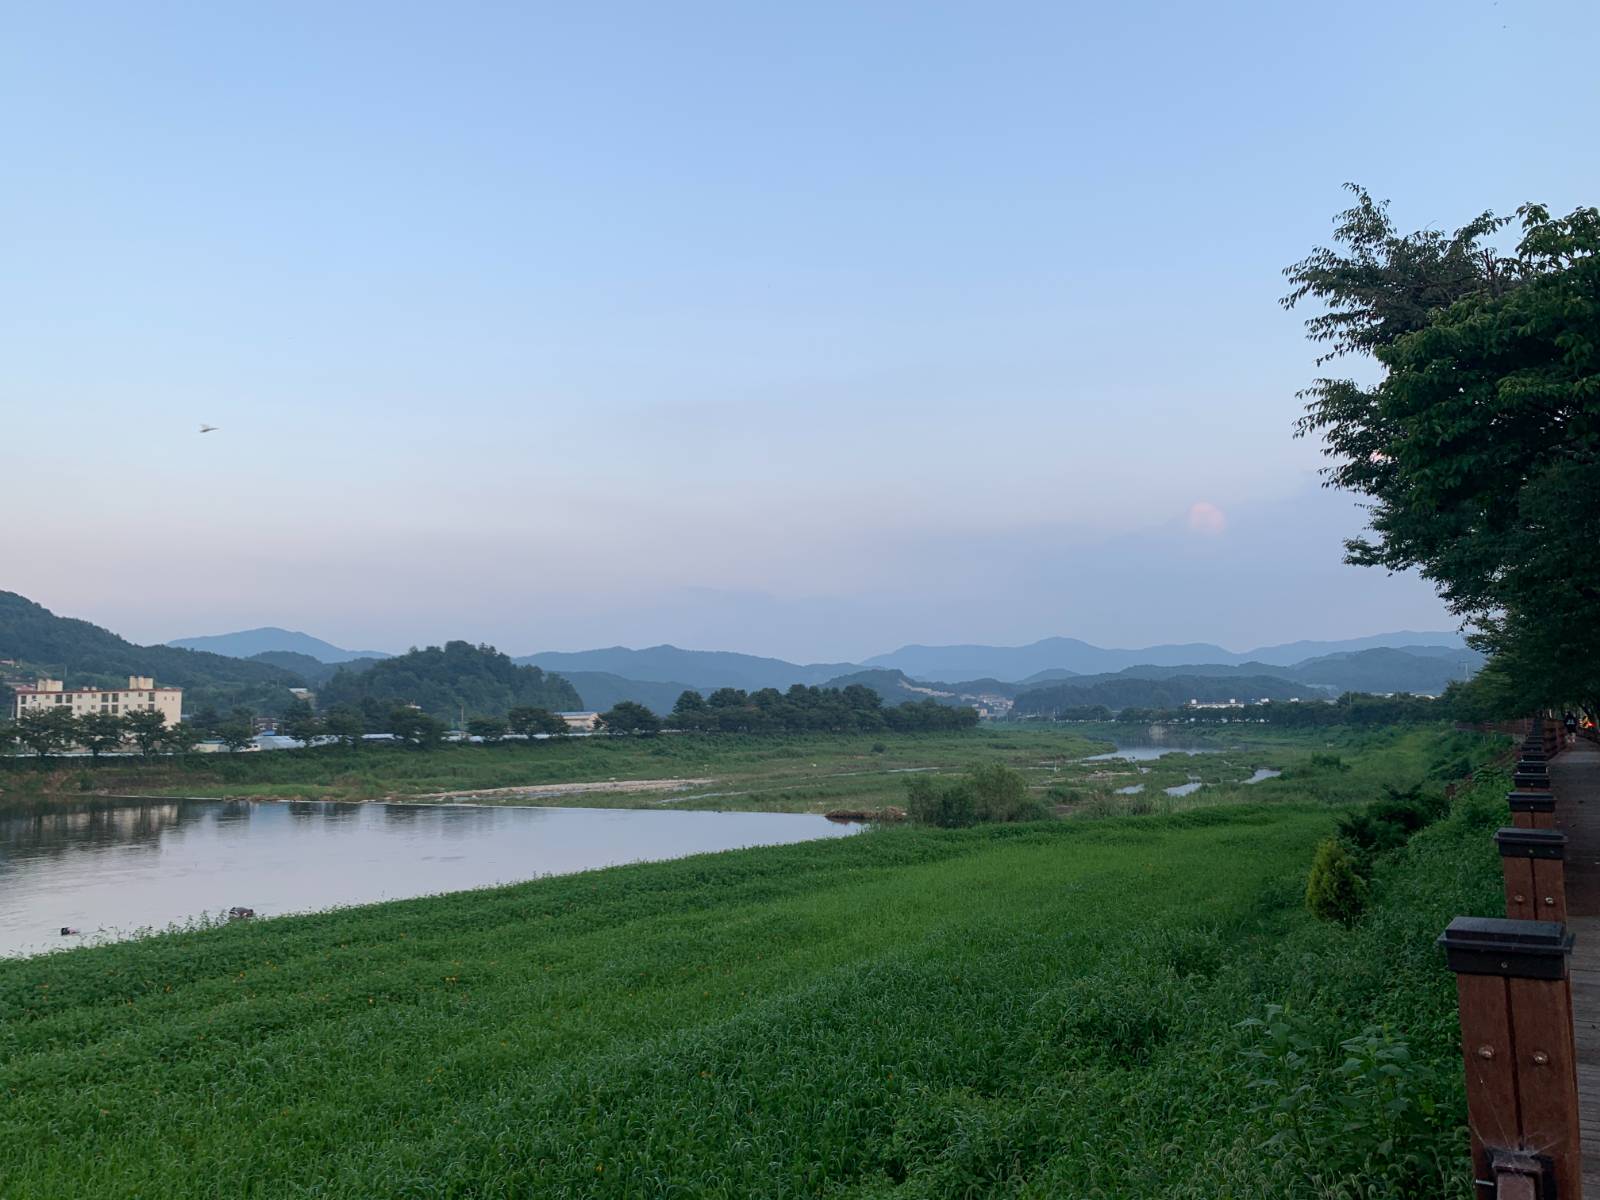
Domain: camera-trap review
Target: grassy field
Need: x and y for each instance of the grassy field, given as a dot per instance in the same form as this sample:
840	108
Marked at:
815	773
1044	1010
810	773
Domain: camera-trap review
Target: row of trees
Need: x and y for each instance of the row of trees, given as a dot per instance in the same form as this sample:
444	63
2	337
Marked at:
51	731
1352	708
803	709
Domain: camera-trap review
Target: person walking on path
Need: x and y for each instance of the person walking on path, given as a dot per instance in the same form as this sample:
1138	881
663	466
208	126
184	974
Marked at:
1569	722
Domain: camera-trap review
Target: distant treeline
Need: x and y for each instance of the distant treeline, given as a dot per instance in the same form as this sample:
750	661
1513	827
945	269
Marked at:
1126	691
803	709
1353	708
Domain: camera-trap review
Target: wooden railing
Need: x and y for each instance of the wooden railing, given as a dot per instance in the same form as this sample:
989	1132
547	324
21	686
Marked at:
1515	999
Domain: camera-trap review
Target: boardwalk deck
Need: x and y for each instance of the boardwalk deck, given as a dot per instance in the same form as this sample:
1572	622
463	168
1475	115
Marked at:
1575	778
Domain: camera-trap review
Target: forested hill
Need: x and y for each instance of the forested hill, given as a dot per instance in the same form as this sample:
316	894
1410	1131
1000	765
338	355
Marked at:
87	655
444	682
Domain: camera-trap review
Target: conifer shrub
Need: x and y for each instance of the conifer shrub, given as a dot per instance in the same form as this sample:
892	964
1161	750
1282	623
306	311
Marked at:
1335	890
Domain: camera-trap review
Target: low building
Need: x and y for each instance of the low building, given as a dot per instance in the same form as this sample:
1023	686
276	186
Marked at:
140	695
581	722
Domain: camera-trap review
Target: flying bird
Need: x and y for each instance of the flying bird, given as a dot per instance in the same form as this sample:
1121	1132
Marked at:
204	428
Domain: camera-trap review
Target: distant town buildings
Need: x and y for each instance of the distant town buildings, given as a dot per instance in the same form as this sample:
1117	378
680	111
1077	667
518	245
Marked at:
140	695
581	722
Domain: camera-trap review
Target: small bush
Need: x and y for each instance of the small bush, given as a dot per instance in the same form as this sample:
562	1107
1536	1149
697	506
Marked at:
1335	890
1387	824
991	793
1001	794
946	804
879	748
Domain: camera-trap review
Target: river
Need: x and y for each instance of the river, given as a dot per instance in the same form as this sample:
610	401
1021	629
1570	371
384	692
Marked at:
117	872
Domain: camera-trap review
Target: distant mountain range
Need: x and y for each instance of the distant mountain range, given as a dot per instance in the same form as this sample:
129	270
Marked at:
249	643
1081	658
700	669
41	643
656	675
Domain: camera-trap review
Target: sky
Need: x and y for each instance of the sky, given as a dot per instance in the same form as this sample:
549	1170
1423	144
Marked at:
807	330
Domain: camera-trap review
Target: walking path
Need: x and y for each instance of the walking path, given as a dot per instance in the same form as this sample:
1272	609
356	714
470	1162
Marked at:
1575	779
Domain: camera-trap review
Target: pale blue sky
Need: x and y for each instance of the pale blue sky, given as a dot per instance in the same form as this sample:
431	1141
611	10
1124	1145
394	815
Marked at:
805	329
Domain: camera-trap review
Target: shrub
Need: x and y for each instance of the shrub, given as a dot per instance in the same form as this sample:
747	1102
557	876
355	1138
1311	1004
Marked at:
991	793
1001	794
1388	823
1335	890
947	804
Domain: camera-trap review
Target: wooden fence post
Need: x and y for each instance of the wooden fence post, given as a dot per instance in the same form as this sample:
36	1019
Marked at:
1530	776
1533	862
1517	1044
1532	809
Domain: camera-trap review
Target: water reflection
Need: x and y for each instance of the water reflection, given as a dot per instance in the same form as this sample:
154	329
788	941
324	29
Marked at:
1146	752
153	865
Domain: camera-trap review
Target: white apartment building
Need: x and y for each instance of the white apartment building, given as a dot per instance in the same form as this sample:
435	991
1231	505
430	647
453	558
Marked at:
140	694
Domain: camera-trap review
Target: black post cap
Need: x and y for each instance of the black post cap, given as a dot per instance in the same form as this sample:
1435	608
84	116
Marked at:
1531	843
1521	801
1526	779
1498	946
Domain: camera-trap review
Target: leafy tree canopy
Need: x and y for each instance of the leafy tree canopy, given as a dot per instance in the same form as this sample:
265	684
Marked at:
1479	448
629	717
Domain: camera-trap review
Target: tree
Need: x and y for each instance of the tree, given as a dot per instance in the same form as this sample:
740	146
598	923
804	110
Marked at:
8	737
236	734
416	728
206	719
690	704
528	721
488	729
98	732
181	738
628	716
146	727
346	724
300	723
46	730
1478	450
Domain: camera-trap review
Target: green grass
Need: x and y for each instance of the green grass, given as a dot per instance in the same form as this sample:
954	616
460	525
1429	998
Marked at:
811	773
1045	1010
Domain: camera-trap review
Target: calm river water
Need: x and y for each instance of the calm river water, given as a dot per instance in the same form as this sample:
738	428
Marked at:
115	872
